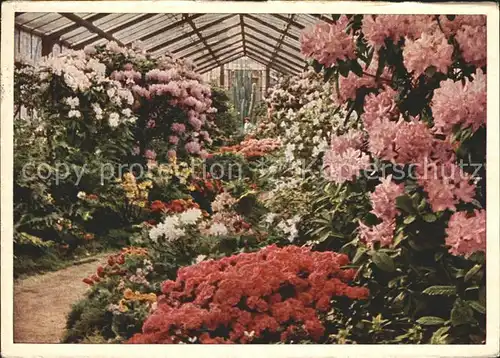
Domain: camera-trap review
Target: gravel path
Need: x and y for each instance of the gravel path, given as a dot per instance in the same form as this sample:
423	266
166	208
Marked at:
42	302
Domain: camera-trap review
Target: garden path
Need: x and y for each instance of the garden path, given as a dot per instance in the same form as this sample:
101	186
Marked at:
42	302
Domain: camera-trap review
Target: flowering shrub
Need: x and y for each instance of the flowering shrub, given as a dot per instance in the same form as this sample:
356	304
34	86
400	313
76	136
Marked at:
121	294
169	97
269	296
421	99
253	148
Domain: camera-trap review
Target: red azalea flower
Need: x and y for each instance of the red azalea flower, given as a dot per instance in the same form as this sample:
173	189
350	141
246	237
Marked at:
242	294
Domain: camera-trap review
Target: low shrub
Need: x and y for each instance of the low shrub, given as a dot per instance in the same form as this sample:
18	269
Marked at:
275	294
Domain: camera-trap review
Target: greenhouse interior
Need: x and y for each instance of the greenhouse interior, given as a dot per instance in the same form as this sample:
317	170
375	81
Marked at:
249	178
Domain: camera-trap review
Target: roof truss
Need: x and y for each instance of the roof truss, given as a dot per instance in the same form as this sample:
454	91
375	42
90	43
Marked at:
270	39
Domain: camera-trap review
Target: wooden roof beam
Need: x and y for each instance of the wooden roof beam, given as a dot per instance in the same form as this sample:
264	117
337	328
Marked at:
91	27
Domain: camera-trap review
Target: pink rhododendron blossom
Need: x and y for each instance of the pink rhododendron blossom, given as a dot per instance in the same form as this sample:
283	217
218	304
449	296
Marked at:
450	27
342	161
446	184
193	147
379	106
428	50
472	42
377	28
400	142
328	43
466	233
454	103
195	123
178	127
150	154
173	139
382	233
352	139
384	198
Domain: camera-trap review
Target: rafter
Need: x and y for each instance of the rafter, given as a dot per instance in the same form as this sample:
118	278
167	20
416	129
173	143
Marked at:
57	33
272	27
189	34
200	36
276	50
321	17
242	26
226	46
117	28
263	62
298	58
222	61
201	64
91	27
251	47
291	22
277	56
270	37
166	28
217	33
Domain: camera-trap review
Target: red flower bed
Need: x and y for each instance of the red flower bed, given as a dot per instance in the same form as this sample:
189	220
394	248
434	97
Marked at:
275	294
174	206
253	148
114	264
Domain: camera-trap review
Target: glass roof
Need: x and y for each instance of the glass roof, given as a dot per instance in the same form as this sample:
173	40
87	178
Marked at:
209	40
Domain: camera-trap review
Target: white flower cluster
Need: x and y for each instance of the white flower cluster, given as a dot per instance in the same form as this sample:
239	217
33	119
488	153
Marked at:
174	227
289	227
218	229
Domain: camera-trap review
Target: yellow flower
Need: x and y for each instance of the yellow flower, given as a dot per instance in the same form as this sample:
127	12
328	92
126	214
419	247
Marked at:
122	307
128	294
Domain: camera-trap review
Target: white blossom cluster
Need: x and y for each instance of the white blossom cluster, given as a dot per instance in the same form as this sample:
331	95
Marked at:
174	227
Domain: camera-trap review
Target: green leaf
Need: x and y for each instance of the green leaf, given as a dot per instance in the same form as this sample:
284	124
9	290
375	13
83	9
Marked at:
430	218
472	272
450	17
441	290
317	66
356	68
383	261
359	253
440	336
430	321
409	219
477	306
461	313
343	68
381	64
405	203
